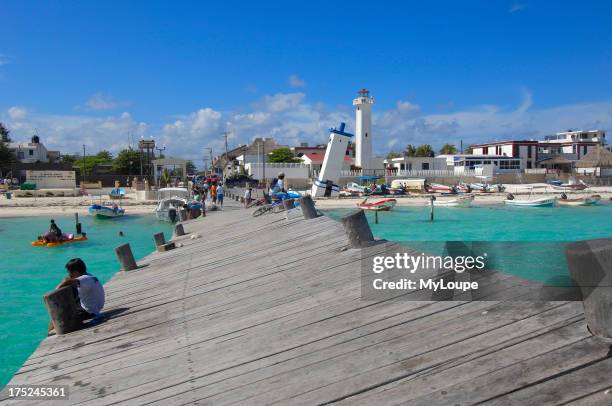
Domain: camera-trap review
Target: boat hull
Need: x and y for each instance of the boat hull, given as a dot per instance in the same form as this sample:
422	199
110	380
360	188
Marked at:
543	202
59	243
103	212
460	202
583	201
381	205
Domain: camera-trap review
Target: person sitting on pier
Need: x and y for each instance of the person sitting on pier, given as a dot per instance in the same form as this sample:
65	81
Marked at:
248	197
277	190
88	291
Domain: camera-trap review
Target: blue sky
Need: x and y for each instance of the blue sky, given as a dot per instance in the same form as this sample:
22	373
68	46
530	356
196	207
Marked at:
183	72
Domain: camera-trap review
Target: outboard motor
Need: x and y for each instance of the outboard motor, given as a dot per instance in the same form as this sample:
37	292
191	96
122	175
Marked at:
563	196
172	215
510	196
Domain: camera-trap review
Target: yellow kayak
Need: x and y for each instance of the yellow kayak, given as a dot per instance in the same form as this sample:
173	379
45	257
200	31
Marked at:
57	244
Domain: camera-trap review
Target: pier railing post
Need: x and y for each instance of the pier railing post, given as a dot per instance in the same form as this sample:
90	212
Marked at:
308	208
125	257
357	229
179	230
590	266
159	239
61	305
183	214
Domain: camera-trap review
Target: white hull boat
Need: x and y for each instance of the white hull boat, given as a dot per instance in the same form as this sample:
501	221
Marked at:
541	202
168	209
580	201
464	201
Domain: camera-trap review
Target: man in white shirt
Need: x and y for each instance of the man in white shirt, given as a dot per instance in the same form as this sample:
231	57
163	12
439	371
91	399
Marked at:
88	289
277	188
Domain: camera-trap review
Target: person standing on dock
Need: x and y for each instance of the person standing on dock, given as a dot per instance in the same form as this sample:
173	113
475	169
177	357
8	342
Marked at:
248	197
220	194
213	193
89	292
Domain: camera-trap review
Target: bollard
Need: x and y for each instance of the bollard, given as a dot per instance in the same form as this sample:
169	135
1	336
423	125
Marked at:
159	239
61	305
166	247
241	199
183	214
308	209
431	208
179	230
357	229
590	267
125	257
289	204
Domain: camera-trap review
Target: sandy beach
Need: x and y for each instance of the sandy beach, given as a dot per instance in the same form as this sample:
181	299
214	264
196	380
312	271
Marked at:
45	206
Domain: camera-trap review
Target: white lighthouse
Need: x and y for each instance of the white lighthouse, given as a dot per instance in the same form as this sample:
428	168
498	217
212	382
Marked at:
363	128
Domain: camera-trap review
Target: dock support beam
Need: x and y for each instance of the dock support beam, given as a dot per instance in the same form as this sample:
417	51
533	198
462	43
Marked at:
357	229
182	214
61	305
179	230
308	208
125	257
590	266
159	239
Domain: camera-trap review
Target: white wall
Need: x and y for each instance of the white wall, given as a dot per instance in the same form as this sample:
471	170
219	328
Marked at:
292	171
52	179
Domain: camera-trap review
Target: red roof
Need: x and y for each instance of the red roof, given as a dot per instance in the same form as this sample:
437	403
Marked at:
317	157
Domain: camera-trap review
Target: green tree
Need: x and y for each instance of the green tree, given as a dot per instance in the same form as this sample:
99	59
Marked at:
69	159
105	156
282	155
448	149
127	162
164	179
424	150
410	150
393	154
191	168
6	156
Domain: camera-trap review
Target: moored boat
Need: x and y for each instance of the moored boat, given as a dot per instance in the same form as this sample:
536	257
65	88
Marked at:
380	205
541	202
463	201
579	201
67	239
105	211
436	187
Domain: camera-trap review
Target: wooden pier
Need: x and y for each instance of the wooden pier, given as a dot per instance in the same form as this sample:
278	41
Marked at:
268	310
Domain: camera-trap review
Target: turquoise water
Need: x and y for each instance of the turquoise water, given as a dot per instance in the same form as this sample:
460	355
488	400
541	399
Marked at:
527	242
27	272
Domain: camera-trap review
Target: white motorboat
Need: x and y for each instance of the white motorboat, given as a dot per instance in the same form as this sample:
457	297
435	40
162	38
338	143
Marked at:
171	200
547	201
463	201
579	201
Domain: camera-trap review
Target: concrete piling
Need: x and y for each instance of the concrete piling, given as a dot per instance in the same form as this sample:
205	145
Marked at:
159	239
61	305
182	215
125	257
179	230
308	208
590	267
357	229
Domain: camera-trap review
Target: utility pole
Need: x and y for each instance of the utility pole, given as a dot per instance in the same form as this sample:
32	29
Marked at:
225	133
263	159
83	174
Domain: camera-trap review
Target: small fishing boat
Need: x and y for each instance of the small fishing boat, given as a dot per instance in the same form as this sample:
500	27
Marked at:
67	239
579	201
541	202
436	187
106	212
571	185
380	205
357	189
117	193
463	201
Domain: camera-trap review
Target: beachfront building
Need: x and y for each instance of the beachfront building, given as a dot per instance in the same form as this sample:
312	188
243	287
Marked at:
415	163
563	150
597	162
487	164
33	152
526	151
363	129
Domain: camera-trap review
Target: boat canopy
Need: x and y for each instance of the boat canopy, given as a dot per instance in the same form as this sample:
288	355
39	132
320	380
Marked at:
365	177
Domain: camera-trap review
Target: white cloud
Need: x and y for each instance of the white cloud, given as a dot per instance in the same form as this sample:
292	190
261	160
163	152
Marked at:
17	113
515	7
296	81
101	101
282	101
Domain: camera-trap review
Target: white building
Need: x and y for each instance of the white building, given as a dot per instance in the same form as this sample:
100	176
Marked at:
571	144
415	163
363	129
526	151
33	152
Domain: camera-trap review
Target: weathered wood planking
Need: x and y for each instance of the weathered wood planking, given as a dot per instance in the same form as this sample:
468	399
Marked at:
264	310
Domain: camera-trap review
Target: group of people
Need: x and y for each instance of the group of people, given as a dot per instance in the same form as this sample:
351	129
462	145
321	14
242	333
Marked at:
212	189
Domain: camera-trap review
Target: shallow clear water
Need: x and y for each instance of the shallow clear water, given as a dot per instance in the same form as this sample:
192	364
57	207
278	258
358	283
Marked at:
27	272
527	242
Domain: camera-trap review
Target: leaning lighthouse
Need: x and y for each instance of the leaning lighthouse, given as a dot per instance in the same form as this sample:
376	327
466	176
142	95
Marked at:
363	128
